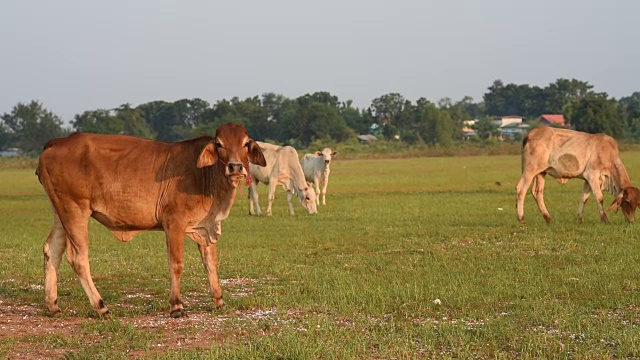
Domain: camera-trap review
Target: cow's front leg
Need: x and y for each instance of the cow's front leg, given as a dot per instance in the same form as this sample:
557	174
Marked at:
586	191
210	261
290	202
316	183
175	250
271	196
325	183
253	199
597	194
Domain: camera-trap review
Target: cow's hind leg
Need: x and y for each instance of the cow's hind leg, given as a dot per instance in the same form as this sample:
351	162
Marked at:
52	250
210	261
77	227
521	191
586	191
538	194
325	183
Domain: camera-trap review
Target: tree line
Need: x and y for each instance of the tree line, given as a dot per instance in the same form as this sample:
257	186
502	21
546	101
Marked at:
323	117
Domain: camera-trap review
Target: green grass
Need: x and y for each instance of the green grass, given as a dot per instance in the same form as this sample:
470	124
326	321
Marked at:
358	280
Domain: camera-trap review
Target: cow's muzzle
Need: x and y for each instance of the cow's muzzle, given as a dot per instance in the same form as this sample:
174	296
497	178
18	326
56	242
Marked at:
235	172
235	167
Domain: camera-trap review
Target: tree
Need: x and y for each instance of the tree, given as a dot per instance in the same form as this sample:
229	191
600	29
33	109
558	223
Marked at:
99	121
5	137
385	110
486	128
563	93
596	113
457	114
630	108
133	122
494	100
30	126
471	109
355	119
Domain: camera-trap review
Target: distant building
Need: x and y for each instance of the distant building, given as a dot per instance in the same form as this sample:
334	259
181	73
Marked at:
366	138
12	152
556	120
513	129
467	128
501	121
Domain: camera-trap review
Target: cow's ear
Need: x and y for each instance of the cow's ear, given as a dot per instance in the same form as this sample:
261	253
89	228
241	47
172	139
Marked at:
334	153
616	202
319	153
208	156
255	154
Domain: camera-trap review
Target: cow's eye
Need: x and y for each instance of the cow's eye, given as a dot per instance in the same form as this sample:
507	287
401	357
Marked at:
218	144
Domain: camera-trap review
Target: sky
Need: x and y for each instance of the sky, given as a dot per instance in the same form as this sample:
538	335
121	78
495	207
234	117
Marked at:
78	55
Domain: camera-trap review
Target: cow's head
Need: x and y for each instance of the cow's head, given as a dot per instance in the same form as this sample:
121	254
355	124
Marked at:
327	155
307	198
628	200
232	148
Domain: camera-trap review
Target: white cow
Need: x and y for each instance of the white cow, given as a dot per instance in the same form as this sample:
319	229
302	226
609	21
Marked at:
283	169
316	170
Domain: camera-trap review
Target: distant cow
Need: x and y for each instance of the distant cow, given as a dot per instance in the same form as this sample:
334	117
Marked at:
316	169
283	169
566	154
131	185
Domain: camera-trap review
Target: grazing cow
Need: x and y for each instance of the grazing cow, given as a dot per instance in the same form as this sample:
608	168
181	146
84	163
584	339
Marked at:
566	154
316	170
283	169
131	185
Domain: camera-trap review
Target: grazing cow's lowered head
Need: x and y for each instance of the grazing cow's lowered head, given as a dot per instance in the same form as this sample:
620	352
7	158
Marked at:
234	152
628	200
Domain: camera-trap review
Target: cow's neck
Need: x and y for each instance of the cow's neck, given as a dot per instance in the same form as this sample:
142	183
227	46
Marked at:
621	175
219	195
298	182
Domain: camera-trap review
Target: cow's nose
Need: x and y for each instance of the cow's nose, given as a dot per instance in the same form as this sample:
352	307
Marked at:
326	161
233	167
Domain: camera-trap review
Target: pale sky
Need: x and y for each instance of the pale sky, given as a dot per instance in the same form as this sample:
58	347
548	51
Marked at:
77	55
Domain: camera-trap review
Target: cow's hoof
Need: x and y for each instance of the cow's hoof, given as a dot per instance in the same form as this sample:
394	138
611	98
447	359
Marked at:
177	313
219	303
55	313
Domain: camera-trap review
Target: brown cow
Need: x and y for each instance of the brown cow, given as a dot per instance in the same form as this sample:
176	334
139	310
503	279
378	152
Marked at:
131	185
566	154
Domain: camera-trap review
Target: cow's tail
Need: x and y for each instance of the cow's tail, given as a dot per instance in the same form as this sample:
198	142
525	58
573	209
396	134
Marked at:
524	143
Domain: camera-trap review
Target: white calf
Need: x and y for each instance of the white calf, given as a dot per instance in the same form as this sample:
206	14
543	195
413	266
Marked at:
316	170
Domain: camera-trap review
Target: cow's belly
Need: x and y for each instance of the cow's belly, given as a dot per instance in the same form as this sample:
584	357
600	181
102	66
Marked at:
126	222
563	174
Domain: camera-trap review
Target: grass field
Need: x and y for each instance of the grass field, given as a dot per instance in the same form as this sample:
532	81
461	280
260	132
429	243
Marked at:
410	258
